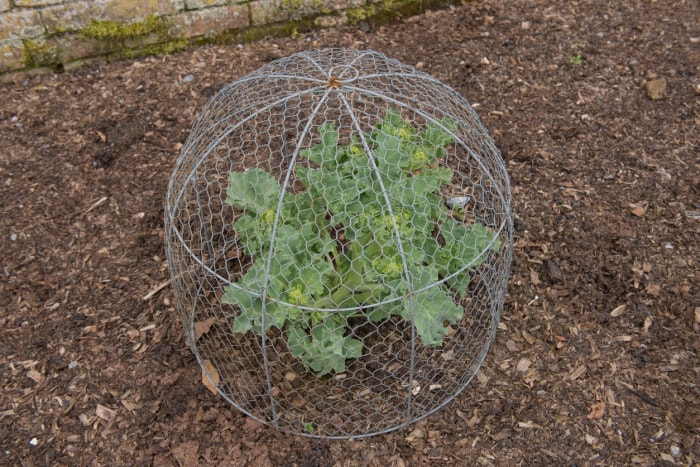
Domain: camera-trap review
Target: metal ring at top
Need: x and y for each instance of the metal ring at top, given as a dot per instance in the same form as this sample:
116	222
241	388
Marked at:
342	74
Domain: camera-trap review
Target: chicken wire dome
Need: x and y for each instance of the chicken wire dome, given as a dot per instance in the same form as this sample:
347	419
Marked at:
339	238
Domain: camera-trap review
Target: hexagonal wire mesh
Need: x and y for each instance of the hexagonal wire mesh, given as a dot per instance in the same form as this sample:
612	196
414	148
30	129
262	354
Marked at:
339	237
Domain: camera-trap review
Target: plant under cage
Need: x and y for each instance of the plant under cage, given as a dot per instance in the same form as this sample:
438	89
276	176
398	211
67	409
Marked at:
339	237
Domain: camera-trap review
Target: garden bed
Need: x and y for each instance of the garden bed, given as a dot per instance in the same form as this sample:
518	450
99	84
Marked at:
596	358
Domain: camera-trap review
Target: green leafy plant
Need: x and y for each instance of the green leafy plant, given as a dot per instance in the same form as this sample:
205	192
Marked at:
576	59
370	222
308	427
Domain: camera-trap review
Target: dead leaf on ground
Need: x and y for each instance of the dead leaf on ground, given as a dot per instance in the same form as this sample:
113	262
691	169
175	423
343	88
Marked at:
418	433
653	289
597	411
202	327
251	425
638	211
211	381
187	453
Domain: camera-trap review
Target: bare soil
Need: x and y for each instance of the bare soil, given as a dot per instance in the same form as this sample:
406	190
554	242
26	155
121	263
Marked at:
596	359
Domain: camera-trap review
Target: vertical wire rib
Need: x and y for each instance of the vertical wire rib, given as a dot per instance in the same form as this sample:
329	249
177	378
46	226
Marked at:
397	235
273	235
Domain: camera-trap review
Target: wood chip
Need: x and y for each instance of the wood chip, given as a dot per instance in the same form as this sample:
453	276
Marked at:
105	413
512	346
523	365
35	376
528	424
577	373
528	337
554	272
130	406
618	311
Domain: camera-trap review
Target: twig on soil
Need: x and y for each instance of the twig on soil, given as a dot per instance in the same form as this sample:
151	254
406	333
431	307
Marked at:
642	396
97	203
158	288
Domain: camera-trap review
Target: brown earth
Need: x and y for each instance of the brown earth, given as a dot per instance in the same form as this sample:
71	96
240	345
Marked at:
596	359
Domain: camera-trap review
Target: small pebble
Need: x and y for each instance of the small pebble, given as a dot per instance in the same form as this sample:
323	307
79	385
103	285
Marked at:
188	79
13	237
33	441
656	88
675	451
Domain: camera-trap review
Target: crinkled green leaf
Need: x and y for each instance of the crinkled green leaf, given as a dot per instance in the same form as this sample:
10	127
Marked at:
254	232
326	349
388	156
253	190
392	120
466	242
431	309
436	136
251	313
324	154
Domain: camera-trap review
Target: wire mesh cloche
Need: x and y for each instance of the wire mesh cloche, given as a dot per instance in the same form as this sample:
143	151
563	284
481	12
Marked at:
339	238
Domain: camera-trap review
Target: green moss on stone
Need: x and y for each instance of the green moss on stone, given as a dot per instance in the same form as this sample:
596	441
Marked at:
291	5
360	13
114	31
254	33
128	38
320	7
38	53
167	48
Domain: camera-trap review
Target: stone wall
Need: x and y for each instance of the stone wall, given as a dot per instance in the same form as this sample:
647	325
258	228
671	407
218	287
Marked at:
54	33
58	33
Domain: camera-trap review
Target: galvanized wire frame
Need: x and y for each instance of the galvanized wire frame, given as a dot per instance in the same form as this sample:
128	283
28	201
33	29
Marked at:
264	121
